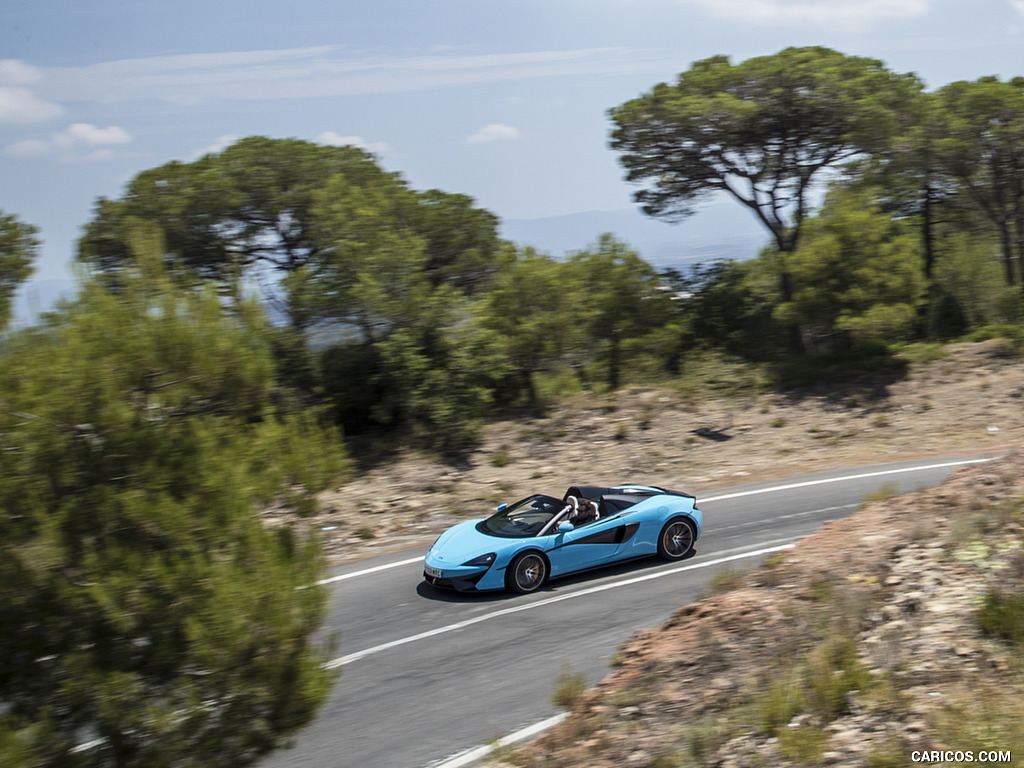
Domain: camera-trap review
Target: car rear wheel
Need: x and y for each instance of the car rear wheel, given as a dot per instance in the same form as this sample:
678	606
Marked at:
676	539
527	573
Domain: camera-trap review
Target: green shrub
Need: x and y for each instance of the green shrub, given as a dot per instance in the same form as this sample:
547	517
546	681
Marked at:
780	702
1002	615
803	744
889	754
884	492
501	457
834	671
569	688
922	352
725	580
946	318
710	372
1014	334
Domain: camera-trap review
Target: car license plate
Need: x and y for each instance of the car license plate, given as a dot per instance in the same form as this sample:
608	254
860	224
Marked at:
433	573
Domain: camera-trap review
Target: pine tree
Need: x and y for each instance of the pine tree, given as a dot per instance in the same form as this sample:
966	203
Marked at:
147	617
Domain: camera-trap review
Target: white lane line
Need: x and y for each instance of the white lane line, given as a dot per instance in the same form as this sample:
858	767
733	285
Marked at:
368	571
809	483
704	500
478	753
343	660
777	518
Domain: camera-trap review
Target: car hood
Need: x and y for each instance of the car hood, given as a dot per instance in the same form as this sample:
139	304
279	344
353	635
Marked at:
463	542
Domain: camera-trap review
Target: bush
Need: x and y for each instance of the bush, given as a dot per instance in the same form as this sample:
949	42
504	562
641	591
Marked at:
781	702
569	688
921	352
713	372
946	318
501	457
1002	615
803	744
834	671
837	367
1012	333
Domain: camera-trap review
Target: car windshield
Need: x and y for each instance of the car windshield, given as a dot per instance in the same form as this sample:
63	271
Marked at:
524	518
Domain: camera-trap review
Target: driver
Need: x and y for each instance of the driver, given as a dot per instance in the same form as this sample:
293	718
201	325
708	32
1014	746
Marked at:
583	511
587	512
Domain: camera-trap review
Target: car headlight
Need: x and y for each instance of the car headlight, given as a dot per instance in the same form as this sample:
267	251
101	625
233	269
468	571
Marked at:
482	560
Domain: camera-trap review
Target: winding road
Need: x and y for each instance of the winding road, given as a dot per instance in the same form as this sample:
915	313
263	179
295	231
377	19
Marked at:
428	678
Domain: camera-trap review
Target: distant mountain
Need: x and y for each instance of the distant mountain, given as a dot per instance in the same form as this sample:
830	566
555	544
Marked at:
720	230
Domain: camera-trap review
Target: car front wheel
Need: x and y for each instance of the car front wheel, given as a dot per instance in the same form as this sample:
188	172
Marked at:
676	539
527	573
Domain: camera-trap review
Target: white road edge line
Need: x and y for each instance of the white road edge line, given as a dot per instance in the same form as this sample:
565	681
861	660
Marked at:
789	487
343	660
862	476
368	571
478	753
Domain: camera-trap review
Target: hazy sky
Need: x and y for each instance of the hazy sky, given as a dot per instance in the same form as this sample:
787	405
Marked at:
503	100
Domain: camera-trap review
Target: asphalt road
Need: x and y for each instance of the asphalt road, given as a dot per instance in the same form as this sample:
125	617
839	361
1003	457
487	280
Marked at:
427	676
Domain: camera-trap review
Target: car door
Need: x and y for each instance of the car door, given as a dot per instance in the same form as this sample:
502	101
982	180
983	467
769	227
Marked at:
587	546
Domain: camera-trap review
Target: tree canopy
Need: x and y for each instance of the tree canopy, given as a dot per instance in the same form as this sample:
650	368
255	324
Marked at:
858	274
981	144
147	615
273	210
18	248
761	131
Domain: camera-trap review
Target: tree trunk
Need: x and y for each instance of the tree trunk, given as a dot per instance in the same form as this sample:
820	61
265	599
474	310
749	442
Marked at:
794	333
1006	240
1019	205
928	234
614	364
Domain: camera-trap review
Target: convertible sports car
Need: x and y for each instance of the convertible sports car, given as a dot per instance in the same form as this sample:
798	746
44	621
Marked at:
540	537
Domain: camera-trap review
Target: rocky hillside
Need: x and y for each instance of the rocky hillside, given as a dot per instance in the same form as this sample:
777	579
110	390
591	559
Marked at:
898	629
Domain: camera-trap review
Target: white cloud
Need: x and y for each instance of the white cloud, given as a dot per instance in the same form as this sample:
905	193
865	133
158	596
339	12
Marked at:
323	71
17	72
79	141
28	148
1018	6
88	135
20	105
848	13
333	139
493	132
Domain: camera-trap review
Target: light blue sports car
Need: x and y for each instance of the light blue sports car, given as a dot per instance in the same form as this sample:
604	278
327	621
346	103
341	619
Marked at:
541	537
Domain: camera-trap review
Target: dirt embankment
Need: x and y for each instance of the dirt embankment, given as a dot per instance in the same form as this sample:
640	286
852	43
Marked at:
859	647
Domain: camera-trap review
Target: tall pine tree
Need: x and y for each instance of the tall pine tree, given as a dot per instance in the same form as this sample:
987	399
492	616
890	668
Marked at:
147	617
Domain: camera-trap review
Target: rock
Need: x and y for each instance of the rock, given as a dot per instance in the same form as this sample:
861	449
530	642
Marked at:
890	611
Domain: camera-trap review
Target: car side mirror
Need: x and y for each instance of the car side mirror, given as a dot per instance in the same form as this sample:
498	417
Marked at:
565	526
501	508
